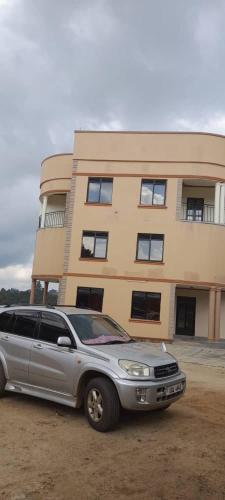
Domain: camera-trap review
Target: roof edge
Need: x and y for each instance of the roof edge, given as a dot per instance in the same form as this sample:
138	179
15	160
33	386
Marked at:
163	132
57	154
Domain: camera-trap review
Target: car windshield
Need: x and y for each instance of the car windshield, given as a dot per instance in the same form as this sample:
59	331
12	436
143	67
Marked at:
95	329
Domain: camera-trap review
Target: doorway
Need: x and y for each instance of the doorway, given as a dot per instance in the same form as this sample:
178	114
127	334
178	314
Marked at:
195	209
185	321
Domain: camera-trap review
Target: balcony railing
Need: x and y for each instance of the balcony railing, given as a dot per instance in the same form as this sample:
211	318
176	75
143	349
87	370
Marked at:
53	219
205	214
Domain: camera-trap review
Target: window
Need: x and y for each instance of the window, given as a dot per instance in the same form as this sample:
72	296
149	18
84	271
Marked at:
52	327
153	192
146	305
150	247
6	321
25	323
99	190
94	245
90	298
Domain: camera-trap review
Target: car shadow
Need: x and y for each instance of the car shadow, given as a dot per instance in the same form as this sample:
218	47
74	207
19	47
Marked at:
45	404
144	418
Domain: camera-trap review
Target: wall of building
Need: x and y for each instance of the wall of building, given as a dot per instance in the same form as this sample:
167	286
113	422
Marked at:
56	172
153	147
193	252
188	247
207	193
49	252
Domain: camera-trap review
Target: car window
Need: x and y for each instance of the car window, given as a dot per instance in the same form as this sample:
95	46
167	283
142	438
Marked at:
6	321
97	329
52	327
25	323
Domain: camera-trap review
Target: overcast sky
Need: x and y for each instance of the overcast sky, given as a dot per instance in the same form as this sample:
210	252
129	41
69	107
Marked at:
96	64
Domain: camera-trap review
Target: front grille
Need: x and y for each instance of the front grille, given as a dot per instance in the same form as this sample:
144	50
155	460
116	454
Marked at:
169	396
165	370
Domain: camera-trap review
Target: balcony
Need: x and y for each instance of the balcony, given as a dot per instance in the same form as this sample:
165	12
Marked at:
53	219
198	214
53	210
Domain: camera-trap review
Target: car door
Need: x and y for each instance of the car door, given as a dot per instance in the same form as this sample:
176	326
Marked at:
53	367
17	329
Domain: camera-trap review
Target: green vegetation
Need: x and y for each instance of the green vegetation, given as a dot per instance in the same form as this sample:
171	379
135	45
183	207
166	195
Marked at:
14	296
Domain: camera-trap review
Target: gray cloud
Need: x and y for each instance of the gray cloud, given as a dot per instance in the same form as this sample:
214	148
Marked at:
97	64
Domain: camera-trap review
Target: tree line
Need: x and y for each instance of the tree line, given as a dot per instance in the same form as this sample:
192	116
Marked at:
14	296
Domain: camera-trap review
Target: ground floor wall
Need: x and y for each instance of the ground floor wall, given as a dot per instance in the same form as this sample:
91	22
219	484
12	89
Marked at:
117	301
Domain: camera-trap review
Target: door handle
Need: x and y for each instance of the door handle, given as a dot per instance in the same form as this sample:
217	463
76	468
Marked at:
38	346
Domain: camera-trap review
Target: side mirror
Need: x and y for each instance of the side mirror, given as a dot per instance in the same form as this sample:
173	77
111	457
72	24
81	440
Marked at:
64	342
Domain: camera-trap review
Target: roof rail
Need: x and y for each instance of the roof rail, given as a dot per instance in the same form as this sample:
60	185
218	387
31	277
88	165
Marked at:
66	305
28	305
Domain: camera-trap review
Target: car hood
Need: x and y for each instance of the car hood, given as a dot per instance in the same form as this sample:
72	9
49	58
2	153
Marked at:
147	353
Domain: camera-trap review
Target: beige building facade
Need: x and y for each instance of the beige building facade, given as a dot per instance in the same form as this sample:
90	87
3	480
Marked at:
133	224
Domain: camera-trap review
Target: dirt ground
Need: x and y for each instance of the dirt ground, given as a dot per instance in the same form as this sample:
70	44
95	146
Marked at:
48	452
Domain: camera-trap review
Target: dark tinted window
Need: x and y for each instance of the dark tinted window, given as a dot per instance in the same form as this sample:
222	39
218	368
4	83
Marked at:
146	305
25	323
94	245
90	298
6	321
153	192
150	247
52	327
99	190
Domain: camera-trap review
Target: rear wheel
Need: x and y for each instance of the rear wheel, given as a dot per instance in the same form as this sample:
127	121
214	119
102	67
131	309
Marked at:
2	381
102	406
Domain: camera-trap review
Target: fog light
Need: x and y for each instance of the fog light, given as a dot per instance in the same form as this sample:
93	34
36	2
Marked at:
141	394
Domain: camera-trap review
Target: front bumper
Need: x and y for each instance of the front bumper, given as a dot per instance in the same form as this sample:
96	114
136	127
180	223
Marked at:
155	392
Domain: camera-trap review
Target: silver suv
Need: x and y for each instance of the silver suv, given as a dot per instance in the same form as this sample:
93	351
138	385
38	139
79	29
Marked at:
75	356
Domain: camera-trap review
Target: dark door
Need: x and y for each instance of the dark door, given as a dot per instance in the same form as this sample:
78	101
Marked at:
195	209
185	324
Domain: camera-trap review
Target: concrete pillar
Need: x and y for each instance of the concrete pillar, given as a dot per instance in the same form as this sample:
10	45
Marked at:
211	321
222	195
44	207
45	293
32	291
217	313
217	203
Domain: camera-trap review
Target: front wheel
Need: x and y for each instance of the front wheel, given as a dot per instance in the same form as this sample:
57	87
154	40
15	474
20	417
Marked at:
101	403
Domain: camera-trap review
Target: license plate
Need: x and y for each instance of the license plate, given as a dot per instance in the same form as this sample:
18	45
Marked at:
173	389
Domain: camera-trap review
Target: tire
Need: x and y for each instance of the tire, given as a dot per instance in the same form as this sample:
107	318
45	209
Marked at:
2	381
101	404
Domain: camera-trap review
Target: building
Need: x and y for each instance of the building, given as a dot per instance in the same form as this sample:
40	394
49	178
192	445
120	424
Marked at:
133	224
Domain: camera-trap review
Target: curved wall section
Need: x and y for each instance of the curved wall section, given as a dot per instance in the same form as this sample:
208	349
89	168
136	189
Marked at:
55	186
49	253
56	168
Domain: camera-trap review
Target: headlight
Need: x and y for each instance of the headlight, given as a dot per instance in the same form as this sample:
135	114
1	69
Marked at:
134	368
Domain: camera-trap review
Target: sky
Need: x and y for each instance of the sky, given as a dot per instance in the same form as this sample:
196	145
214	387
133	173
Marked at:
99	65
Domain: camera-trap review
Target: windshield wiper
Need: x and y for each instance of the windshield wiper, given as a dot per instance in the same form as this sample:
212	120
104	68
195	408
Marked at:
118	342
